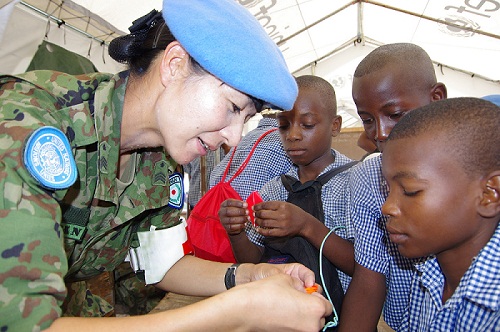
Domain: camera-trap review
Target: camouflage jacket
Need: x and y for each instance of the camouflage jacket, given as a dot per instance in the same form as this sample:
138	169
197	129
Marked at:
49	237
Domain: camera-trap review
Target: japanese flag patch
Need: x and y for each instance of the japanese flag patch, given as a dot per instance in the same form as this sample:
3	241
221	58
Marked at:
49	159
176	191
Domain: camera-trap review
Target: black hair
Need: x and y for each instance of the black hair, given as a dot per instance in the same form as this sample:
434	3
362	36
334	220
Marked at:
469	127
412	58
148	38
323	87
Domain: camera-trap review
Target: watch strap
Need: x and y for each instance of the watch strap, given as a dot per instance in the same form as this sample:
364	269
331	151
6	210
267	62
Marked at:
230	276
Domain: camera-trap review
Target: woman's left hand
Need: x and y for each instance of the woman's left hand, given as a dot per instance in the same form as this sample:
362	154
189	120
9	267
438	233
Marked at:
250	272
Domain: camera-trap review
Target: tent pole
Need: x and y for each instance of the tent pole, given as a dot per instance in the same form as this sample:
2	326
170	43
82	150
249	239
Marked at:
361	32
281	42
60	22
338	49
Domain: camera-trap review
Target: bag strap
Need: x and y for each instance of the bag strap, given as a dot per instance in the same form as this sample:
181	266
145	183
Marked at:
291	184
331	173
247	159
228	165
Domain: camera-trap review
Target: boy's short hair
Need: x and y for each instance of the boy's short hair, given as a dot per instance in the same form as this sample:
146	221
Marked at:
468	125
412	58
323	87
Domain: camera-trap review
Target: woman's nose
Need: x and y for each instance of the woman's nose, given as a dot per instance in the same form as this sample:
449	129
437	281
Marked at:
232	133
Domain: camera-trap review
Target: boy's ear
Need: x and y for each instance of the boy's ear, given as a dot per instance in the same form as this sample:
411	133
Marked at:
174	61
489	205
336	125
438	92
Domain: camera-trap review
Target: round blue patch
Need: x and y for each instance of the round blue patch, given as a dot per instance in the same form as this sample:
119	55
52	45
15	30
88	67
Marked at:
49	159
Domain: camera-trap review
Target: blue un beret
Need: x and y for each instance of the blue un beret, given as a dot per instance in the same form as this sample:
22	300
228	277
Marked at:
226	40
495	99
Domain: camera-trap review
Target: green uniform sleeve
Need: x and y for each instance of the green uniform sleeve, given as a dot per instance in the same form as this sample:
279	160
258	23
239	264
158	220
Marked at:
32	257
32	261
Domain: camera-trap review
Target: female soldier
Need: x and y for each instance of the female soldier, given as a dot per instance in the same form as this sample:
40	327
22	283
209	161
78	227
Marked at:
87	172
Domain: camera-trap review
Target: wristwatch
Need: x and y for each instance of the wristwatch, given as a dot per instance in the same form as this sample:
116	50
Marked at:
230	277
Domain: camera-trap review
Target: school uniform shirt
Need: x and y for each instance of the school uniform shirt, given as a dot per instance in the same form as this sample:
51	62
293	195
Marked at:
268	160
333	196
52	237
475	304
372	247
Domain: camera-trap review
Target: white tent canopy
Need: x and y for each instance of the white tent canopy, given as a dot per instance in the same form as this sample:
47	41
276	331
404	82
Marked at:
327	38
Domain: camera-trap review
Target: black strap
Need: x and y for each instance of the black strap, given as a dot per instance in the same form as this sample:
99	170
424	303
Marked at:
324	178
293	185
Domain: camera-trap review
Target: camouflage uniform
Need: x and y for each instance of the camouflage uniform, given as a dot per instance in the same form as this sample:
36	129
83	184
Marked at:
53	237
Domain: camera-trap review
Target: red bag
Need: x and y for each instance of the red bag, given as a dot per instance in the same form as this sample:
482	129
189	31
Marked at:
208	237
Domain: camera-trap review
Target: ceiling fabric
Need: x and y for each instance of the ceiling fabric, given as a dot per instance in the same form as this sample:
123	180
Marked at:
321	37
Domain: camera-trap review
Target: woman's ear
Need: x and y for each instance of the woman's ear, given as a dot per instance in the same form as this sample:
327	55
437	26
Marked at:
174	62
489	205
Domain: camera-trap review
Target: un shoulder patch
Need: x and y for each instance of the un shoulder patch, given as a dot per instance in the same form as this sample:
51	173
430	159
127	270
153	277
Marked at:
176	191
49	159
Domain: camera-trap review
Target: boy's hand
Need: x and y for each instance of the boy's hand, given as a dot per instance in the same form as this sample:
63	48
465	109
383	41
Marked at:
233	215
277	218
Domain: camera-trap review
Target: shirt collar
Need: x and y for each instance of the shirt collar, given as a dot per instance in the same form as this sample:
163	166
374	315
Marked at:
108	106
485	274
482	279
340	160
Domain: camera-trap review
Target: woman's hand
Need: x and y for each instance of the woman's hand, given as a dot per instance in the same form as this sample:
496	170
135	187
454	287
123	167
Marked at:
250	272
278	302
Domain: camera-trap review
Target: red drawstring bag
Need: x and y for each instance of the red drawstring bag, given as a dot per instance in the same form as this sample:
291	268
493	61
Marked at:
208	237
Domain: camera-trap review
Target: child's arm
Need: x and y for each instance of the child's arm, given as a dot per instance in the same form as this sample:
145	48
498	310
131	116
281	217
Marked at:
338	250
233	215
366	295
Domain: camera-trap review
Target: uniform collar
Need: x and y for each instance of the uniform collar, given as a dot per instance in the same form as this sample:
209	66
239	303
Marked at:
339	160
486	266
481	281
108	108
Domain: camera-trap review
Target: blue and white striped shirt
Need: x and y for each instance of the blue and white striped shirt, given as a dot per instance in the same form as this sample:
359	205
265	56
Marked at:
372	248
475	304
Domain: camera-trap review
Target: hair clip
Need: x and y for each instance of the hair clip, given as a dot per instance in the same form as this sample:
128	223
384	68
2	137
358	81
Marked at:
143	24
